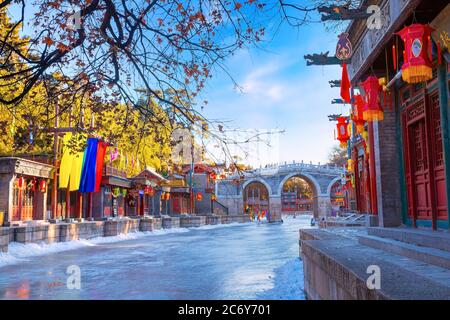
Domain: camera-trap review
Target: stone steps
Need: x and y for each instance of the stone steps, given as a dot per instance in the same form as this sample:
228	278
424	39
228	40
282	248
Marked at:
428	255
424	238
336	267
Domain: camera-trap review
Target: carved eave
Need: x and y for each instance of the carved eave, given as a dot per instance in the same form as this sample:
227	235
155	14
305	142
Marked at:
25	167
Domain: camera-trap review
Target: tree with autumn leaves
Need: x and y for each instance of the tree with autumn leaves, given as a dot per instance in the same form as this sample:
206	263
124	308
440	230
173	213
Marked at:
24	123
105	49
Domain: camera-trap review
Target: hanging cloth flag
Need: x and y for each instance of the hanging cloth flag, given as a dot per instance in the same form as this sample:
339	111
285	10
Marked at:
66	162
87	182
75	173
345	84
101	151
114	154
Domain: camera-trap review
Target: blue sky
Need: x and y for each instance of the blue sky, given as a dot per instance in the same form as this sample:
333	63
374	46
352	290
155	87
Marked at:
281	92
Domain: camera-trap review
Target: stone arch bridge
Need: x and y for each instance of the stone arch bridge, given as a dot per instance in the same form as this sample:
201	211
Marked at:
321	178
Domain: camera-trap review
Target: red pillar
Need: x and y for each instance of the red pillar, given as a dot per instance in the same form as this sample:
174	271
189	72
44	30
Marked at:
89	213
373	178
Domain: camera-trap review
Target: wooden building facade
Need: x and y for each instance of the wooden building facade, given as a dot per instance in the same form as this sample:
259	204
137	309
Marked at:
401	164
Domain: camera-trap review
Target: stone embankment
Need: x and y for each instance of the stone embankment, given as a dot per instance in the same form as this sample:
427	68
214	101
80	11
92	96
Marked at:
37	232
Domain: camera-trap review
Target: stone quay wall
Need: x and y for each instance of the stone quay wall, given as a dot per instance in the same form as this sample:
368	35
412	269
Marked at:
4	239
62	232
170	222
326	277
194	221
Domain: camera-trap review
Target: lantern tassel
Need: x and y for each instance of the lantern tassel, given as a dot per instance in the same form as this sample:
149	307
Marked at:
373	115
416	74
394	57
430	48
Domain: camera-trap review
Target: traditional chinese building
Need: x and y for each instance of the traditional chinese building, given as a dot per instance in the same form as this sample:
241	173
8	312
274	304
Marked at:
23	189
400	162
146	196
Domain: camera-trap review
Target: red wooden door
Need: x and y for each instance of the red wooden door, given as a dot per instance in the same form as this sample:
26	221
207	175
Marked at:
425	172
176	204
438	166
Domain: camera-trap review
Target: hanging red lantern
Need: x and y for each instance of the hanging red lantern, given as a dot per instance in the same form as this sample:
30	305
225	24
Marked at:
167	196
43	186
21	183
199	196
357	113
342	132
372	110
213	175
417	66
213	197
148	190
163	195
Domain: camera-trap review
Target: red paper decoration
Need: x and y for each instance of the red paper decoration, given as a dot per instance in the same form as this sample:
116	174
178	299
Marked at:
199	196
345	84
417	65
372	110
42	186
357	112
342	132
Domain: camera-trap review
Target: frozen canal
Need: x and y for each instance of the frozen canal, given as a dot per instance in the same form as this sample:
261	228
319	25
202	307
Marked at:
239	261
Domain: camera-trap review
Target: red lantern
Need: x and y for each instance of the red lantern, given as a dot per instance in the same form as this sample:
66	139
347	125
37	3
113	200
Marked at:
212	175
417	65
21	183
372	110
42	186
199	196
149	191
357	114
163	196
342	132
167	196
213	197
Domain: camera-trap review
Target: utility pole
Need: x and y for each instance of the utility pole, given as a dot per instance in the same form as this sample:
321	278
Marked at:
191	176
55	163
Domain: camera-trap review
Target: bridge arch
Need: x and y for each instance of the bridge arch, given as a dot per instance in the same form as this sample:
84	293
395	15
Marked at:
305	176
260	180
256	197
330	185
313	183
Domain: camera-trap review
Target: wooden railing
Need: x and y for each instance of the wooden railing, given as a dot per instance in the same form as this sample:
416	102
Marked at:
111	171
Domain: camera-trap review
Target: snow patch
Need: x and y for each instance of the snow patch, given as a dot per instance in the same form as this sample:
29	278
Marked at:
287	282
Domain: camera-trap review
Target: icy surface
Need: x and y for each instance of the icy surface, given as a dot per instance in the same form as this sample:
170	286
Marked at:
235	261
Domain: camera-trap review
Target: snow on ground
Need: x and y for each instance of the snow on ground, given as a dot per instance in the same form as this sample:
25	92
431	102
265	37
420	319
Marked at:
287	282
